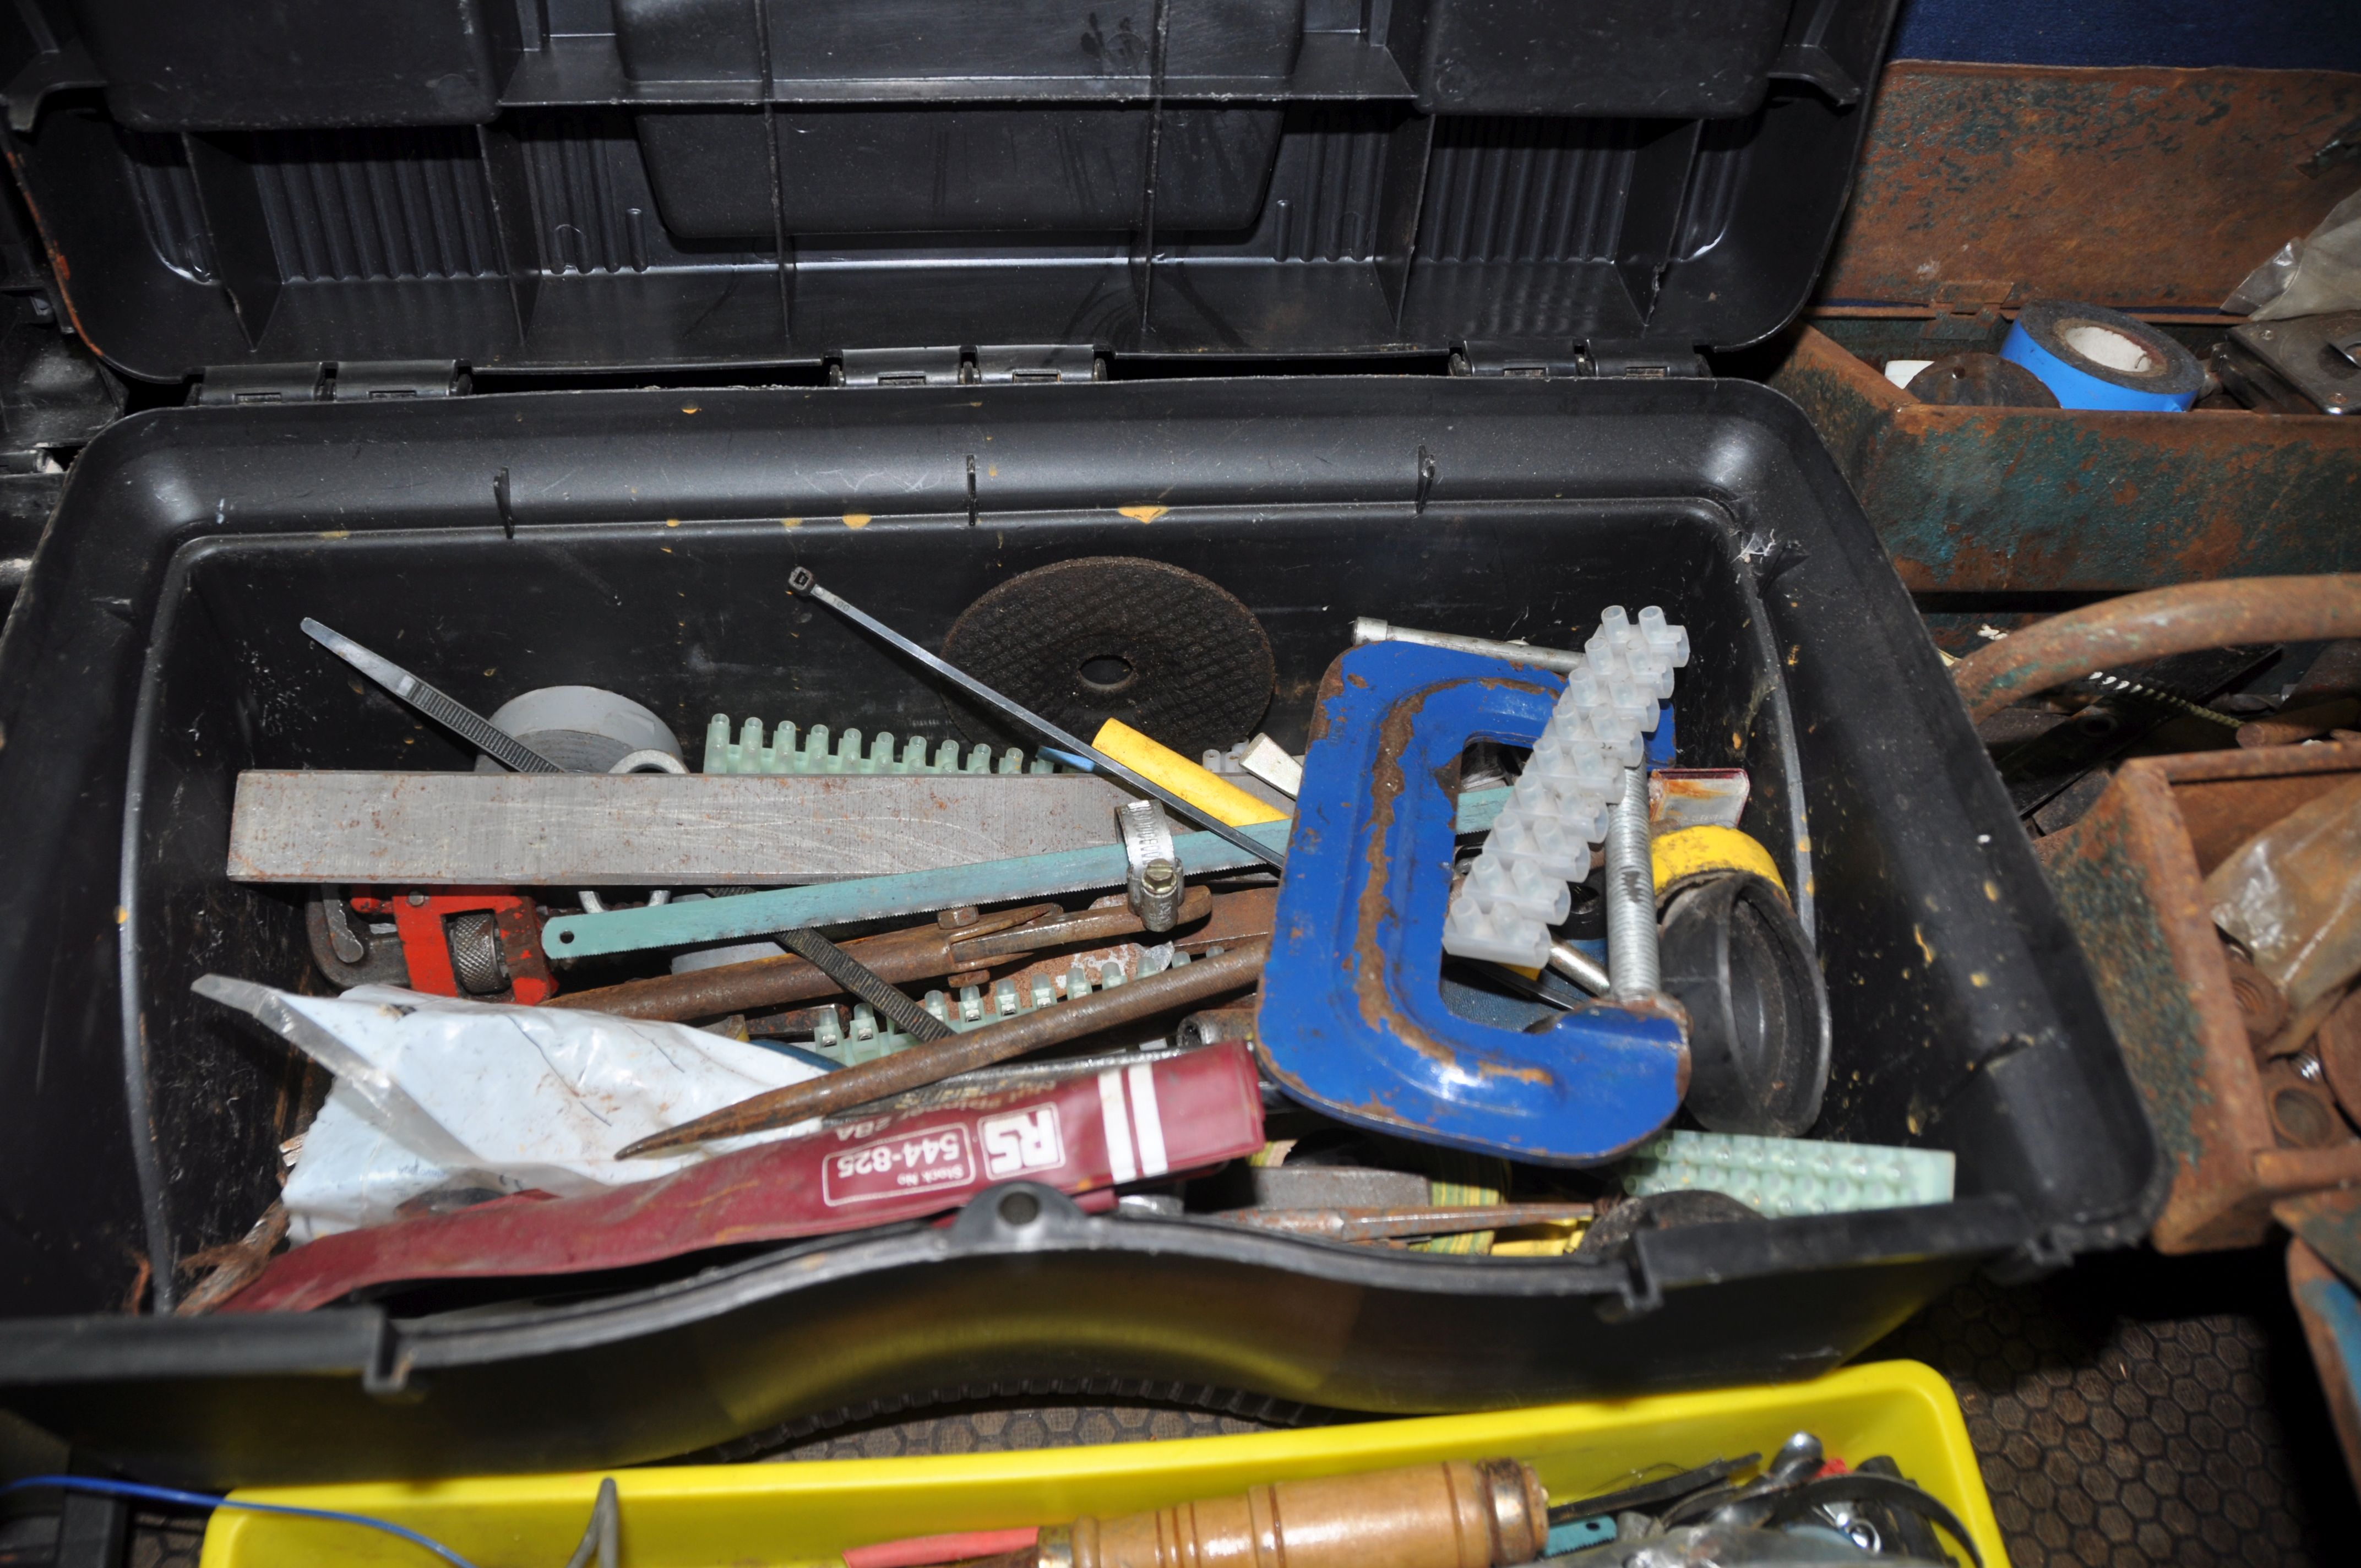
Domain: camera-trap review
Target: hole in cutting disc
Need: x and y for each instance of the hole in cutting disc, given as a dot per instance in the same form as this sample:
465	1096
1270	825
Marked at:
1020	1209
1107	673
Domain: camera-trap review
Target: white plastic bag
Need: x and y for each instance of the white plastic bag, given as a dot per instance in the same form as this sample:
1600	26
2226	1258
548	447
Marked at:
2308	277
435	1093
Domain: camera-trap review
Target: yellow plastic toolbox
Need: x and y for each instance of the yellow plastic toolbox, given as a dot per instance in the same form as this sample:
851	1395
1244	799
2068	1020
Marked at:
749	1515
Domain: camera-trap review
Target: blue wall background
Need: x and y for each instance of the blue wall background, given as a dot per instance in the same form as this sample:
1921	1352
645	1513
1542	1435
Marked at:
2318	35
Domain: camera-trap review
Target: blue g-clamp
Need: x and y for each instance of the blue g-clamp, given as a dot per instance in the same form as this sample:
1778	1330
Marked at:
1353	1020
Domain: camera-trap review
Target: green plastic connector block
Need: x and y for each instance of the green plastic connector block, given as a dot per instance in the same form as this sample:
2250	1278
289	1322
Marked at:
1792	1176
748	754
869	1037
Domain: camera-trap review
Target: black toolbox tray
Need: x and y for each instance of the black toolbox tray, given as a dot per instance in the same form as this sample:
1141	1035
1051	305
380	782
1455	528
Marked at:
156	654
343	240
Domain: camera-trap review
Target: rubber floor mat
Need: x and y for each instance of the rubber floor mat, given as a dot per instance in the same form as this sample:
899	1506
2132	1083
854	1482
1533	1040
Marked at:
1045	1426
994	1418
2140	1411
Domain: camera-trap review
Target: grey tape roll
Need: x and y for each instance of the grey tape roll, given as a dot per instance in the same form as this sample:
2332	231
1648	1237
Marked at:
584	729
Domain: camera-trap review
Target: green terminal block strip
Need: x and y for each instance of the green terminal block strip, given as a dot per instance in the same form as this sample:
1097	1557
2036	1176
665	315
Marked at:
870	1037
748	754
1779	1176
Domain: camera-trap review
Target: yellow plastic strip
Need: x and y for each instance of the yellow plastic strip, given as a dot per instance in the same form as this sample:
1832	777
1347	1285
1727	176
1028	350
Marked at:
1161	764
1693	850
775	1516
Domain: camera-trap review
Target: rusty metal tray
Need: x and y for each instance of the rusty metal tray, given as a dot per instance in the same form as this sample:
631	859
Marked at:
2130	880
2152	190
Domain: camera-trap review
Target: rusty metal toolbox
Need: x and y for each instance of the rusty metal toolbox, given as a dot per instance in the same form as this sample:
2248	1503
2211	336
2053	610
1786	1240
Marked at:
2150	191
2130	878
541	342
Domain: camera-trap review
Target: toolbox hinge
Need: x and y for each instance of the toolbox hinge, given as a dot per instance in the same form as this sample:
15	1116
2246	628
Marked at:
1564	361
1002	363
368	381
348	380
227	383
996	363
1643	360
1530	361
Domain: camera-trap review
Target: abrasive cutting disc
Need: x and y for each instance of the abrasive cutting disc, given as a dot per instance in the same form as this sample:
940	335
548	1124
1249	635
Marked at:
1980	381
1175	656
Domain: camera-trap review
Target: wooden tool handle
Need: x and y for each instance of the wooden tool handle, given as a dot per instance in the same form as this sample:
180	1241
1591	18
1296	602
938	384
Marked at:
1452	1515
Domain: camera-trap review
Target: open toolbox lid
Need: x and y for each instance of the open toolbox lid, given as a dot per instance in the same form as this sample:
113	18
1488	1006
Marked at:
356	198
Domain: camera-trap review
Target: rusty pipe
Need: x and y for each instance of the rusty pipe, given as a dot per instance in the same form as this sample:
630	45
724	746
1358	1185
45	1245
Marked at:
1090	927
1238	915
915	953
970	1086
1448	1514
2139	627
922	1065
920	953
2291	725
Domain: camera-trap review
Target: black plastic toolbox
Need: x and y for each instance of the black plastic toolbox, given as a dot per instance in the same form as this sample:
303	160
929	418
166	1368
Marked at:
1572	265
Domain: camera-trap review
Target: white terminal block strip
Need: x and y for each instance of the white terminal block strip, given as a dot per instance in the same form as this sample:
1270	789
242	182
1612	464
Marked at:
1558	809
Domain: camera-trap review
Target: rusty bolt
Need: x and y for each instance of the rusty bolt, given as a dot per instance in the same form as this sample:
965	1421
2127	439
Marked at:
2303	1115
2260	1005
2338	1043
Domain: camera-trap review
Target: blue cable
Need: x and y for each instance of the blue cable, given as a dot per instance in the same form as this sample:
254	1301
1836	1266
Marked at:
202	1500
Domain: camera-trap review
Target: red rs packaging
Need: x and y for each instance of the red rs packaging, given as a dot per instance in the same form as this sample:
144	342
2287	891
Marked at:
1082	1134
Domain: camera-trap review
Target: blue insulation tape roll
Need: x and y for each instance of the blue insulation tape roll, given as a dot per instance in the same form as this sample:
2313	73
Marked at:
2097	358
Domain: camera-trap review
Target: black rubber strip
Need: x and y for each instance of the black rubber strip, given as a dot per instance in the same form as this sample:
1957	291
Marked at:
1652	1493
